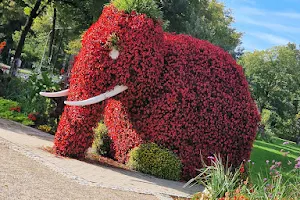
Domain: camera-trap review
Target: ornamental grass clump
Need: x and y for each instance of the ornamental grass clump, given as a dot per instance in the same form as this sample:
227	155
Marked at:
218	177
225	183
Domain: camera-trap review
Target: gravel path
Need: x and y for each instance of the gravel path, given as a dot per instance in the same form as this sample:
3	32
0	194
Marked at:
23	178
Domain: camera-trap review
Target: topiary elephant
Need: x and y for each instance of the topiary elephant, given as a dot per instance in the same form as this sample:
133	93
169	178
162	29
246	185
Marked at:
179	92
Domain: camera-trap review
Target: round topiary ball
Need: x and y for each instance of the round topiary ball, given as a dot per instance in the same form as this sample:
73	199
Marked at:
155	160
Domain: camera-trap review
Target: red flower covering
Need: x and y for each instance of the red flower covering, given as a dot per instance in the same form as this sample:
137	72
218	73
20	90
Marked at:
183	93
17	109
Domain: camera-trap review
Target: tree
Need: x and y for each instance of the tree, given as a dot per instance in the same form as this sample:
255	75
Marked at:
174	12
36	10
203	19
12	18
274	77
37	41
209	20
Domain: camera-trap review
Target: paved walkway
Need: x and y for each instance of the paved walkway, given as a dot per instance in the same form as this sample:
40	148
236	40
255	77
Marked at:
29	141
22	178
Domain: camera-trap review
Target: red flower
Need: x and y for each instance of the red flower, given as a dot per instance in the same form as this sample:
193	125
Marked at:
32	116
242	168
62	71
17	109
2	44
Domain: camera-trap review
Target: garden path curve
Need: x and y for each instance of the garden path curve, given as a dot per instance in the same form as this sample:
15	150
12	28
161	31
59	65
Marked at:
29	142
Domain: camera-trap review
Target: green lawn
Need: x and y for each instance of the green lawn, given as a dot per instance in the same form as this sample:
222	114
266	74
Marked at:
263	151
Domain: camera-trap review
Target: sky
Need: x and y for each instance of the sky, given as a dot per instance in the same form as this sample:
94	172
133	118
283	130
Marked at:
266	23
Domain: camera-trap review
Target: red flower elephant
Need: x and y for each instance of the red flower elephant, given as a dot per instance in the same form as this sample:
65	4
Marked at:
182	93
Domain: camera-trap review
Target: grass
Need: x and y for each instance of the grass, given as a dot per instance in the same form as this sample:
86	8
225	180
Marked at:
263	151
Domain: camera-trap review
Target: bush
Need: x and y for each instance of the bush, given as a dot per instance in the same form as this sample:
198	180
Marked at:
12	111
152	159
101	140
26	93
12	87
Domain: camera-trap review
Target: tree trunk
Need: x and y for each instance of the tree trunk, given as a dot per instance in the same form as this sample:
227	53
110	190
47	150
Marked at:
16	61
261	127
55	58
50	52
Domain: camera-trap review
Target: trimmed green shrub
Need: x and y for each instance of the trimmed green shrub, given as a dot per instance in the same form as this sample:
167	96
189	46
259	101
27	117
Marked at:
101	140
155	160
11	110
148	7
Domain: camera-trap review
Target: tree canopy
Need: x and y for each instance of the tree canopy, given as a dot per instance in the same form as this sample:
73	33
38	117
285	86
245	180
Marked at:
32	20
274	77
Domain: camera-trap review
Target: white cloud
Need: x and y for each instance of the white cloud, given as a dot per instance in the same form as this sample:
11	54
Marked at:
251	2
264	27
272	39
291	15
246	10
272	26
251	11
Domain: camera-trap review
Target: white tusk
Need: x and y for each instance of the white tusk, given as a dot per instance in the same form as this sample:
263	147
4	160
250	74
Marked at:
55	94
117	90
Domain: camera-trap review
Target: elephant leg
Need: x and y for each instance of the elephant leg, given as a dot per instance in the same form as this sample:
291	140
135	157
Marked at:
75	130
120	130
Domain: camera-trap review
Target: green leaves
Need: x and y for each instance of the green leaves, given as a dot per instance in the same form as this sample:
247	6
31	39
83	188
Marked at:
152	159
7	112
218	178
148	7
27	10
209	20
273	75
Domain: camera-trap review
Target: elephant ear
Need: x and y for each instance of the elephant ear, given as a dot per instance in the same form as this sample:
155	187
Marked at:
148	7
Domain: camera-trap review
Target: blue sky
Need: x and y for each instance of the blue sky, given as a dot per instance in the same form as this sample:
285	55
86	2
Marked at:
266	23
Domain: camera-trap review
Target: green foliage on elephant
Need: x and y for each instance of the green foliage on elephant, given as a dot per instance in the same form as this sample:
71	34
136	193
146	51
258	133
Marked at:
101	140
155	160
274	77
148	7
11	110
